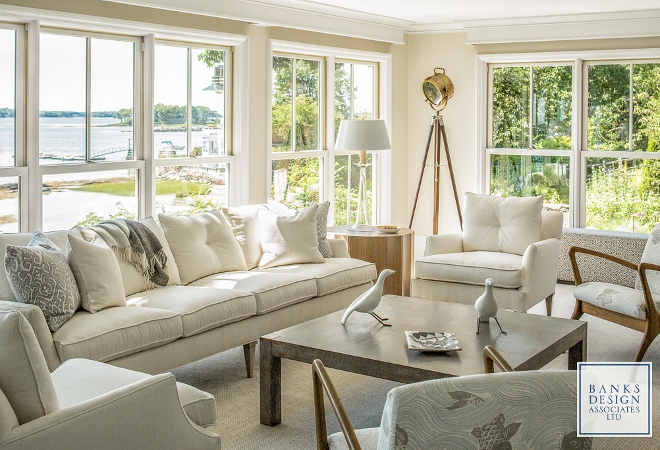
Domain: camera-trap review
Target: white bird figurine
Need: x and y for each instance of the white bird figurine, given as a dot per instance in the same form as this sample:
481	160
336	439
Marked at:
367	302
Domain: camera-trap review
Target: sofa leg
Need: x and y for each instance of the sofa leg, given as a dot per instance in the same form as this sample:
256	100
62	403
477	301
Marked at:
548	304
248	351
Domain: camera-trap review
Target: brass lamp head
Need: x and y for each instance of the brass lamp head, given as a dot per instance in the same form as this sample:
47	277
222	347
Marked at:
437	89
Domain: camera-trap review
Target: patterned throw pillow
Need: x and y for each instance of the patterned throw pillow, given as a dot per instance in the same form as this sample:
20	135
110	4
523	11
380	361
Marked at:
39	274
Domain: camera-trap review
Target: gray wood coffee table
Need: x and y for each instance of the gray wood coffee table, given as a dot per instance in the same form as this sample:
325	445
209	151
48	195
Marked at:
366	347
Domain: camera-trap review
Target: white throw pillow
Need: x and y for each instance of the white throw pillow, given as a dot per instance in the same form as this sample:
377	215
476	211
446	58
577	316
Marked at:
202	244
133	281
245	226
97	274
321	222
24	376
497	224
289	240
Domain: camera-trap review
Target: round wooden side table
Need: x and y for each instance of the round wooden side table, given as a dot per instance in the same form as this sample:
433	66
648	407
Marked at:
387	251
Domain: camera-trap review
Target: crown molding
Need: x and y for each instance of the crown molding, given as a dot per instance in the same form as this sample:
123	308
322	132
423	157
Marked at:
297	14
629	24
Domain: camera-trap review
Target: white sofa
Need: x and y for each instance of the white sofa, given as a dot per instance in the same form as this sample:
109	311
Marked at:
164	328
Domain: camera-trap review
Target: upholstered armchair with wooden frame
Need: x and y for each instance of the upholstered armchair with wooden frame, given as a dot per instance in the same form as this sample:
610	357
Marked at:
475	411
632	308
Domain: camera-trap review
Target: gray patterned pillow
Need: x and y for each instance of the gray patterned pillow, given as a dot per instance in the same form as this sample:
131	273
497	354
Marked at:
39	274
322	229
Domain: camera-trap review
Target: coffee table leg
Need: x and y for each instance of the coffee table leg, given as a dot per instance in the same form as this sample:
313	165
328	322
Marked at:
270	373
576	354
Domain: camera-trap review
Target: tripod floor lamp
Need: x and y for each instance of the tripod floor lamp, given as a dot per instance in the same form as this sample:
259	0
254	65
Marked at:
438	89
362	135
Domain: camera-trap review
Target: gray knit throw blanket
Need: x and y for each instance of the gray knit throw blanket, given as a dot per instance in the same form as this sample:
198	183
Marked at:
135	243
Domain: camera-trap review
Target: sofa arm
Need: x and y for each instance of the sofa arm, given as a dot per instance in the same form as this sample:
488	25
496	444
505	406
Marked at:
339	248
539	264
444	243
36	318
145	415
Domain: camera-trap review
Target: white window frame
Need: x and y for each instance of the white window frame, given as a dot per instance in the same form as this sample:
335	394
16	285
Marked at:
29	21
19	168
330	55
579	151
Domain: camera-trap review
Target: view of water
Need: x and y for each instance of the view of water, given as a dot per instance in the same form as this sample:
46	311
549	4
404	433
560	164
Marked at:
65	138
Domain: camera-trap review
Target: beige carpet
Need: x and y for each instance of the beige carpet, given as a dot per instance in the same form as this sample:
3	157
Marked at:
237	397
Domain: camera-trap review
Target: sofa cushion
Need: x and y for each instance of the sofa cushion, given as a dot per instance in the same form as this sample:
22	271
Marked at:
56	237
271	290
289	240
24	376
200	308
245	226
497	224
202	244
72	382
616	298
472	268
334	275
97	274
39	274
115	332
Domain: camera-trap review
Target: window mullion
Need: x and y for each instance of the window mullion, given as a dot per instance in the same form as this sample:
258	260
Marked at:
88	101
293	105
189	106
531	108
630	111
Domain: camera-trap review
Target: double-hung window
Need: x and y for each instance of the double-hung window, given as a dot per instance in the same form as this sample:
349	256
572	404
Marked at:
88	92
583	132
310	95
192	138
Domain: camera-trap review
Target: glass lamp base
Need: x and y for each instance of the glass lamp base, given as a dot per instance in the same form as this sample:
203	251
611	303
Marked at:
361	227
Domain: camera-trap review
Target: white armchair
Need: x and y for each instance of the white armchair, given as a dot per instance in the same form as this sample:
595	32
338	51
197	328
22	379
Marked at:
88	404
508	239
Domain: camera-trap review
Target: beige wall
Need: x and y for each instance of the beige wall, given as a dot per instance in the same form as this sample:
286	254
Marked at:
258	70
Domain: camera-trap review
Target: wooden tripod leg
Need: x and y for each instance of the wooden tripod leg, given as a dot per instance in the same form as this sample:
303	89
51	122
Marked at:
451	174
421	175
436	173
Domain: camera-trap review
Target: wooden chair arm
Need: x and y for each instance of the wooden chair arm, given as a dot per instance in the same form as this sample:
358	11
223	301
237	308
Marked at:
493	356
322	382
648	296
576	271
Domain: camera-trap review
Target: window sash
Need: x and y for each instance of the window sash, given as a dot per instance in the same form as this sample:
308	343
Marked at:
579	151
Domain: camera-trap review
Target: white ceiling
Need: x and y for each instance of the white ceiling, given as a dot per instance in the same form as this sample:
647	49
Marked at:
486	21
424	12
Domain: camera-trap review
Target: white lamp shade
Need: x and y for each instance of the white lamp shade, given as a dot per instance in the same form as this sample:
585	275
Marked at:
358	134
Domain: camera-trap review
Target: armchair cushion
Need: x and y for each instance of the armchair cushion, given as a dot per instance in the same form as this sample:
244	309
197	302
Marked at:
8	419
472	268
24	376
651	255
367	437
80	380
616	298
497	224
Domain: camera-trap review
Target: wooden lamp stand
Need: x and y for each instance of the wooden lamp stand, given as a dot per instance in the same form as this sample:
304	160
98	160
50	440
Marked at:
437	129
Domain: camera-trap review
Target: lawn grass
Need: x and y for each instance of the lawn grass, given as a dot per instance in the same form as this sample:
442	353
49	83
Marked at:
163	187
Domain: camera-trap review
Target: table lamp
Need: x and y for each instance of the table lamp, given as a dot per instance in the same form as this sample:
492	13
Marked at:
362	136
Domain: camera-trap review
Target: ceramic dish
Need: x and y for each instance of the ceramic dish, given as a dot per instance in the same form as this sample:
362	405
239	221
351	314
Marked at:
432	341
388	229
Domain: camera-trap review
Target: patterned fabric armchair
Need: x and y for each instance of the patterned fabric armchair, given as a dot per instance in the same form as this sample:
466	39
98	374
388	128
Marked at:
632	308
519	410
